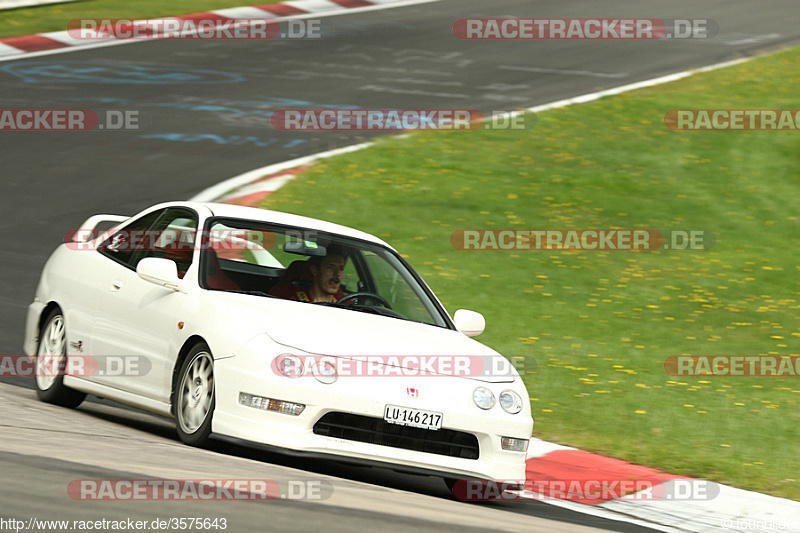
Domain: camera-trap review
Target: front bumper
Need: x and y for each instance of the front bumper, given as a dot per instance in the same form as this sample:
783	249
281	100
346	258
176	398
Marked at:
368	396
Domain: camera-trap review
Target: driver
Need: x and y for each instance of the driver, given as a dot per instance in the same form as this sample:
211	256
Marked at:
317	279
326	276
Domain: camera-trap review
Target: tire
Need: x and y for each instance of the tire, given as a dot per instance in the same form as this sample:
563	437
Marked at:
194	399
51	360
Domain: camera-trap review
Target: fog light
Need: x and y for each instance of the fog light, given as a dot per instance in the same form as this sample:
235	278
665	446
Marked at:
510	402
269	404
483	398
514	445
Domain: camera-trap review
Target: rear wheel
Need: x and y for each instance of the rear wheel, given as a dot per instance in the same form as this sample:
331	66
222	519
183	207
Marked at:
51	360
194	396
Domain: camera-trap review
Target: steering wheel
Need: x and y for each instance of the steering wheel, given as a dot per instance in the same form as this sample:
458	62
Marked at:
355	295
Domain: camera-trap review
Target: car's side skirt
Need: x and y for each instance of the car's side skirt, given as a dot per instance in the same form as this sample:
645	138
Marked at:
126	398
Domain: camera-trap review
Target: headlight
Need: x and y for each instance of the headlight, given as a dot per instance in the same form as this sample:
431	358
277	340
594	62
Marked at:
325	372
483	398
510	402
288	365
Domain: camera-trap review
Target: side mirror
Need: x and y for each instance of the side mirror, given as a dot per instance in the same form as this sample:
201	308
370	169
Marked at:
469	322
161	272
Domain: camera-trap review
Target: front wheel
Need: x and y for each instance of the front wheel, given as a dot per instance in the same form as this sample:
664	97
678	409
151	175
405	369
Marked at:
51	362
194	396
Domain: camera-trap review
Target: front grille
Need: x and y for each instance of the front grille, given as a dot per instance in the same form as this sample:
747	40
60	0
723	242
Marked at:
378	431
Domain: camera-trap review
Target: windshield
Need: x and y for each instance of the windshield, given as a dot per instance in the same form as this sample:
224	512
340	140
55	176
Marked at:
314	268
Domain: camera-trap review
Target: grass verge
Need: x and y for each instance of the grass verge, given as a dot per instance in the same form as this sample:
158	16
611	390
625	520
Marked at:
599	325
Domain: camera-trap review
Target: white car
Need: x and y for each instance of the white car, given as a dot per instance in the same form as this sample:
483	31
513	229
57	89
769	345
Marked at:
220	308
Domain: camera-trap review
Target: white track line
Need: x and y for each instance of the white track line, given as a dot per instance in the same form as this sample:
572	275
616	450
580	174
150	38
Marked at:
637	85
217	191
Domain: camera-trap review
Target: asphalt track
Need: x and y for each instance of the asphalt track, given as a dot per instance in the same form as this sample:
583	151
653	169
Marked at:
205	108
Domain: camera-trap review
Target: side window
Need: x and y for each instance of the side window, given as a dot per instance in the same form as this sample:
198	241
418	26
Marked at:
173	237
168	233
123	243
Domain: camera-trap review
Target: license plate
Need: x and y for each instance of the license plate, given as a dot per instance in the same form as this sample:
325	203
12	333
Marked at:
416	418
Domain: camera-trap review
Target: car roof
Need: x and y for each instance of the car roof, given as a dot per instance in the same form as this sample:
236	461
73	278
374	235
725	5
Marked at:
277	217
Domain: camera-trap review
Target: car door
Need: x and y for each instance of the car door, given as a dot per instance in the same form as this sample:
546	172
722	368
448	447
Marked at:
137	320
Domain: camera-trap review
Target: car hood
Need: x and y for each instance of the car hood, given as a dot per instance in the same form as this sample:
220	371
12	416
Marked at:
323	330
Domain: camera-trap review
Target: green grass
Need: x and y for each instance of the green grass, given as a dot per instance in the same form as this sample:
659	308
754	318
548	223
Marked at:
26	21
599	325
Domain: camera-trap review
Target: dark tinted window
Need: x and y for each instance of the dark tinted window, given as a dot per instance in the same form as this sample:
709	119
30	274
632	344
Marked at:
172	237
122	245
167	233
